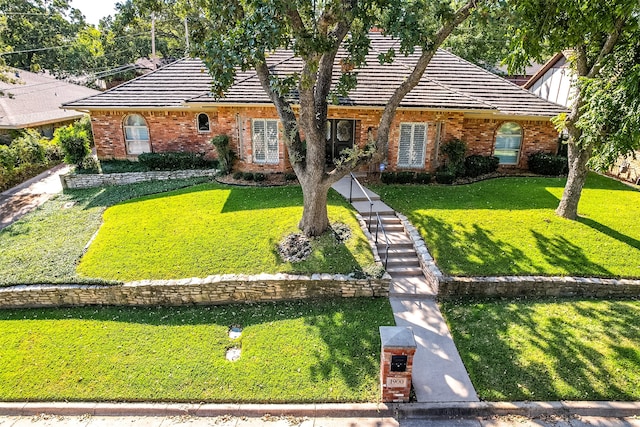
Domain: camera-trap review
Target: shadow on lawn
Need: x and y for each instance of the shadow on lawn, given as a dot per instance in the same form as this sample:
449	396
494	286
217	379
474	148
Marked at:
482	251
614	234
560	252
501	368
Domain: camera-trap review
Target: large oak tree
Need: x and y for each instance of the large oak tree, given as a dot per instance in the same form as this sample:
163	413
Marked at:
601	39
239	35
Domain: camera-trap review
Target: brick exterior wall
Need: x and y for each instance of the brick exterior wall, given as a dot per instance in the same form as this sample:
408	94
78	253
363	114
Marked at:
177	131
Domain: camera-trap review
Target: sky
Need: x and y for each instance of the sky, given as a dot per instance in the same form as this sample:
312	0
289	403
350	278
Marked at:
94	10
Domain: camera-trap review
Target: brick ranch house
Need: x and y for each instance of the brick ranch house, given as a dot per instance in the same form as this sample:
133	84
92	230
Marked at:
172	109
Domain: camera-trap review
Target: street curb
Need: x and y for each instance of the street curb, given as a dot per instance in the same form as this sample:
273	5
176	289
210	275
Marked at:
333	410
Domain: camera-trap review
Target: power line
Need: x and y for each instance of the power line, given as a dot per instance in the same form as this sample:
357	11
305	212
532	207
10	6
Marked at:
64	45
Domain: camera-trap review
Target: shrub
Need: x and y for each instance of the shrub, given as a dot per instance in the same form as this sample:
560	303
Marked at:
405	177
237	175
479	165
28	148
388	177
423	178
8	158
74	142
174	161
290	176
548	164
454	151
259	177
247	176
445	177
224	153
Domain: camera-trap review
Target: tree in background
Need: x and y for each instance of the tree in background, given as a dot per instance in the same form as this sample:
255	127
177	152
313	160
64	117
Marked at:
603	38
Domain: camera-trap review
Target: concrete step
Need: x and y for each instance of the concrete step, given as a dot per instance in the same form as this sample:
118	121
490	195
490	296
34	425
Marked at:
404	271
398	248
361	198
400	260
411	286
397	238
378	206
386	219
388	228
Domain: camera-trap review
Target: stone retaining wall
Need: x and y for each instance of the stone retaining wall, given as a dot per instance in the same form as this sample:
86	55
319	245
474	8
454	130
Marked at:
209	291
76	181
447	287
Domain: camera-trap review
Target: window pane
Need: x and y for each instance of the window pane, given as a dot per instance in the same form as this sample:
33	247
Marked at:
344	130
203	122
508	141
135	120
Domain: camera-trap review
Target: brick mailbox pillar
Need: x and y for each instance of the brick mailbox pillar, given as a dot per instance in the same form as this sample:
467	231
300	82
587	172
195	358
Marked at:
396	363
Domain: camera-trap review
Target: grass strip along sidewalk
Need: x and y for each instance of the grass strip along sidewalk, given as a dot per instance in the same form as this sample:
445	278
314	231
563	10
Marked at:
303	351
194	232
507	226
549	349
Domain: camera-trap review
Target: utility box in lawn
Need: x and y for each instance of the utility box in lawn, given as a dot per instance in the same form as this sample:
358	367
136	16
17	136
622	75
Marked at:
396	363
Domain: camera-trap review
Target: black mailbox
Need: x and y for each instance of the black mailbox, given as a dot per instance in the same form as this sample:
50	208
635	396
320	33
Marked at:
398	363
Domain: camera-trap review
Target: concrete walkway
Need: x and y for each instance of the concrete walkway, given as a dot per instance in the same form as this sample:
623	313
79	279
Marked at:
22	199
438	372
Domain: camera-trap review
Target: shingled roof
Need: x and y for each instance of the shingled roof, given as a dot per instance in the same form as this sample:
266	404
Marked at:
449	83
33	99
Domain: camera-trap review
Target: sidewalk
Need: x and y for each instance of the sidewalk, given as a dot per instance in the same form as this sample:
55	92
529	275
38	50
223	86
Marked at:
438	372
22	199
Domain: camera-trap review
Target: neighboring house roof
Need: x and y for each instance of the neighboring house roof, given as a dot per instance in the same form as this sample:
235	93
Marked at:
555	81
449	83
36	99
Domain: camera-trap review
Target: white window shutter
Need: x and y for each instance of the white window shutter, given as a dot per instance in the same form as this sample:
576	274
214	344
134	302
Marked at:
419	143
259	152
272	142
404	146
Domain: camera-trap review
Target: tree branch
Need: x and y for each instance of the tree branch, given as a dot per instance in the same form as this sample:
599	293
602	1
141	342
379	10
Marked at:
287	116
414	78
608	46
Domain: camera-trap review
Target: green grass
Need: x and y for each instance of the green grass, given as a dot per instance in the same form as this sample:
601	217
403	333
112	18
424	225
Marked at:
508	226
549	350
305	351
216	229
46	245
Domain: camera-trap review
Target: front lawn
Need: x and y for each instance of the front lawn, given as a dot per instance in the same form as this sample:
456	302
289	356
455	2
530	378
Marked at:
508	226
304	351
216	229
549	350
45	245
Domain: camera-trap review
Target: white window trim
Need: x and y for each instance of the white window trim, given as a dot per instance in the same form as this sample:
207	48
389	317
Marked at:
127	141
417	165
276	155
198	123
517	151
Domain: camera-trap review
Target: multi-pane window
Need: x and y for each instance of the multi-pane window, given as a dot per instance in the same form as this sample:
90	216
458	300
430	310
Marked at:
265	141
203	123
136	134
412	146
508	141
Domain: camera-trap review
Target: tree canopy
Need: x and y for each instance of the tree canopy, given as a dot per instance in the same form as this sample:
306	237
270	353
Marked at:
601	40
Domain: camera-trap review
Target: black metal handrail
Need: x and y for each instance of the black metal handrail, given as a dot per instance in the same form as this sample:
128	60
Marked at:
379	224
353	178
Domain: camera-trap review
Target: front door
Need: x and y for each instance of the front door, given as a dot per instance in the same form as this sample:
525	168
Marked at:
340	135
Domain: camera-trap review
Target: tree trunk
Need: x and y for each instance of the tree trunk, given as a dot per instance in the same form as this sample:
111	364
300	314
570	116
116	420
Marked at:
578	158
315	219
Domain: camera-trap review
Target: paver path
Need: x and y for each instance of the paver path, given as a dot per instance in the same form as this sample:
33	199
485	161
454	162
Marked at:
22	199
438	372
